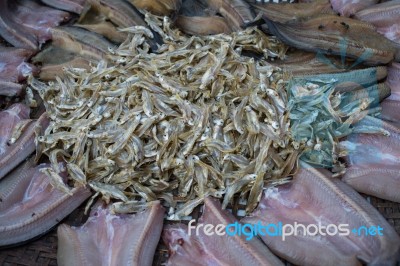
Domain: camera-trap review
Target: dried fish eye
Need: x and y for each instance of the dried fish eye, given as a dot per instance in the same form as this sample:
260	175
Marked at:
122	60
111	50
275	124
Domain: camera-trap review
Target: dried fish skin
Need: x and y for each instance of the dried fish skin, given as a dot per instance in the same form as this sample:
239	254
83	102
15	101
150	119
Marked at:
81	41
191	249
363	149
380	15
119	12
370	156
350	8
33	206
314	195
326	33
202	25
37	18
301	63
159	8
11	117
10	89
16	178
128	239
14	67
106	29
389	111
16	153
94	19
17	35
393	81
381	181
237	12
284	12
75	6
49	71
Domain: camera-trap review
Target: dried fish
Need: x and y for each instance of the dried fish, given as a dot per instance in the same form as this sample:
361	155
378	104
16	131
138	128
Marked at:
160	8
197	118
203	25
329	34
238	12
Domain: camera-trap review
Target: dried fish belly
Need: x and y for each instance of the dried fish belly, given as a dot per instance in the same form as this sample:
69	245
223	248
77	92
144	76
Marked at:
115	239
13	64
313	198
202	249
202	25
284	12
31	205
237	12
75	6
160	8
327	33
349	8
17	35
17	138
374	161
37	18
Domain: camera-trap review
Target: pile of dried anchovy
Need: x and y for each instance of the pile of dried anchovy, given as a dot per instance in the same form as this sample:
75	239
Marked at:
196	118
320	116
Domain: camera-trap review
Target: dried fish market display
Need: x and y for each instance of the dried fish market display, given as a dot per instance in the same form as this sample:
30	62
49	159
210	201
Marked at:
214	108
188	121
197	118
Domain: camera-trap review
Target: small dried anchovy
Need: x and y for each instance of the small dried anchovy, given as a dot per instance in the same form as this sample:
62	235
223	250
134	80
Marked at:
320	116
196	118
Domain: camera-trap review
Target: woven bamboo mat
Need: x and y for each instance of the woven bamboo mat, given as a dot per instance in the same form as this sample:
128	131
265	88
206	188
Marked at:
43	251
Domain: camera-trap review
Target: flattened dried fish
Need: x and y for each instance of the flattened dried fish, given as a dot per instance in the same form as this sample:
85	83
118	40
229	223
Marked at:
306	201
81	41
16	34
329	33
160	8
123	239
237	12
186	248
75	6
33	206
203	25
